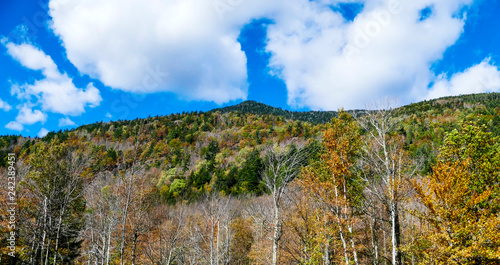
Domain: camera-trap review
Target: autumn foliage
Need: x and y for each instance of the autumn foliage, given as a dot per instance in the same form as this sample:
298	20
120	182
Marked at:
461	201
414	185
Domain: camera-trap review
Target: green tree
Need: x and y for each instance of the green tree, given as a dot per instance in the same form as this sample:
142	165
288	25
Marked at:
250	174
474	143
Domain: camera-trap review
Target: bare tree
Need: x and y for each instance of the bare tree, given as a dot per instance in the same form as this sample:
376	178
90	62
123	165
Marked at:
282	165
386	167
132	166
55	180
260	211
102	218
209	231
165	238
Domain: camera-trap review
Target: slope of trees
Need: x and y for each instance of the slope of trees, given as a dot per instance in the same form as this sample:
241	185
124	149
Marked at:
414	185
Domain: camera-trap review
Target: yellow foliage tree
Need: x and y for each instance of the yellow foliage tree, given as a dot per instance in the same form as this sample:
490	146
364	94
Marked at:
460	230
461	214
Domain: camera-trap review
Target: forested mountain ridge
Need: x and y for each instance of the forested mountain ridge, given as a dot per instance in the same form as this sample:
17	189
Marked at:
142	185
254	107
424	122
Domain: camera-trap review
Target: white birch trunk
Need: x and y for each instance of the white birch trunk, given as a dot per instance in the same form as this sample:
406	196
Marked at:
276	234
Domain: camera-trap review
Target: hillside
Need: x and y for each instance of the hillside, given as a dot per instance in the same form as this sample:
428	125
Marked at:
424	123
159	165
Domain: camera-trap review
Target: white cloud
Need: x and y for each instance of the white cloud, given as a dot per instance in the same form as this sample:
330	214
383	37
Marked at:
42	133
63	122
33	58
480	78
187	47
63	97
15	126
328	62
26	116
56	92
4	105
109	116
190	47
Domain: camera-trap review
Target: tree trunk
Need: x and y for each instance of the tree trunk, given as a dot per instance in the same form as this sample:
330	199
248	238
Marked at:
212	254
217	247
354	252
134	247
169	259
127	203
395	235
326	254
108	250
44	236
47	254
124	223
276	235
124	218
385	248
32	257
374	242
349	225
344	244
339	223
59	224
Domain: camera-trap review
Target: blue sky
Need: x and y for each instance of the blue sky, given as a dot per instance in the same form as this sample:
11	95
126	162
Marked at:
65	63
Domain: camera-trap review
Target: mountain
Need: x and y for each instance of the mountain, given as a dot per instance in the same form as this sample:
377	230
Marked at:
254	107
165	167
423	120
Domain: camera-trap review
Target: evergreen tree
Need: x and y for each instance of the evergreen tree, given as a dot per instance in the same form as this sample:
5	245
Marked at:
250	174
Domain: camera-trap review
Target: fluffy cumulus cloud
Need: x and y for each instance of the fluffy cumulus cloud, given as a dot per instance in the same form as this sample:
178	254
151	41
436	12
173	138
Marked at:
14	126
481	78
191	48
56	92
188	47
33	58
26	116
29	116
329	62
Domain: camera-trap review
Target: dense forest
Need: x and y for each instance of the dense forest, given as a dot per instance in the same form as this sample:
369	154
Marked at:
253	184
